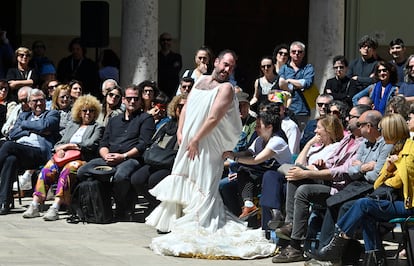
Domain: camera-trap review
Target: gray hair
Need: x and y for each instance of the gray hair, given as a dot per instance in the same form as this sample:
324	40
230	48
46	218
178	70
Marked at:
35	92
298	43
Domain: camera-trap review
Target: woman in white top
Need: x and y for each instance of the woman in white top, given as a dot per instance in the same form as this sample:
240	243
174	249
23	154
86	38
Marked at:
267	82
267	152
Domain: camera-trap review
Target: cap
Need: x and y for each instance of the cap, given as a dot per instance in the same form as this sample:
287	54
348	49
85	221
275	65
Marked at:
243	97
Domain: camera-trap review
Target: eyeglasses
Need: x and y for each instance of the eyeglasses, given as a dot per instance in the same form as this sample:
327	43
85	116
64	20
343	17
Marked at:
338	67
112	95
88	110
51	87
149	91
353	116
296	51
335	112
64	97
266	66
361	124
23	55
130	98
22	101
37	100
380	70
323	104
282	54
186	86
4	88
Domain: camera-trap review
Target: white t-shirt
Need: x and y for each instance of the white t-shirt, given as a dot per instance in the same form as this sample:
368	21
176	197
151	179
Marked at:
277	145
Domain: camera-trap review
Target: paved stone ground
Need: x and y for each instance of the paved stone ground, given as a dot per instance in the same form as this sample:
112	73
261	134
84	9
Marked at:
36	242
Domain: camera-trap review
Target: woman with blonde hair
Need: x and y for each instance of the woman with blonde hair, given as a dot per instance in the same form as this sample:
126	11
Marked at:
83	134
393	196
22	75
62	102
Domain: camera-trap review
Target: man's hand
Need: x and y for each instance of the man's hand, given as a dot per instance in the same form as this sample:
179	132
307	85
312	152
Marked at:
192	149
295	173
113	158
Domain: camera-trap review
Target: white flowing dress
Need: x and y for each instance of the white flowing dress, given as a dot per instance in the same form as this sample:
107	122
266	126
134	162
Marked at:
191	206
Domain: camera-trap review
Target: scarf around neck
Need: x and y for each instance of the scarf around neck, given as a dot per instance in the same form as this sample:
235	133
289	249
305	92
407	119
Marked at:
381	102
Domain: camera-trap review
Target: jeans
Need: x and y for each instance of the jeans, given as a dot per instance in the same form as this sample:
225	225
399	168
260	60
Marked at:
305	196
366	212
230	195
272	195
14	156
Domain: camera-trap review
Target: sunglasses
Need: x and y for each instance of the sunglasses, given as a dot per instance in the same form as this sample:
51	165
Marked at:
4	88
22	101
149	91
338	67
323	104
52	87
130	98
37	101
361	124
282	54
112	95
382	70
335	112
353	116
266	66
186	87
23	55
64	97
88	110
296	51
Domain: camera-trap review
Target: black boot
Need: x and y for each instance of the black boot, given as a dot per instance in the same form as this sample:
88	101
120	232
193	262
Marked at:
277	219
4	208
375	258
333	251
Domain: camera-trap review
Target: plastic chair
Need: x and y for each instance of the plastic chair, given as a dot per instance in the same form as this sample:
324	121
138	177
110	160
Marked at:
407	241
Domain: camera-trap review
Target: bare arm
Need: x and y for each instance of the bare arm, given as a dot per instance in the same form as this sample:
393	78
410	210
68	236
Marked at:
256	93
218	110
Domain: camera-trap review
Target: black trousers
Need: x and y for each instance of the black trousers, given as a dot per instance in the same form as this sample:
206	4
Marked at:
14	156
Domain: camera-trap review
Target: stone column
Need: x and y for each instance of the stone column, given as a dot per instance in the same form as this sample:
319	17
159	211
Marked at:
139	41
326	37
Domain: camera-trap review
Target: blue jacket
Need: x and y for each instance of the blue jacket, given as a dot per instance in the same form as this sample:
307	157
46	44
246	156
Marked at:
46	127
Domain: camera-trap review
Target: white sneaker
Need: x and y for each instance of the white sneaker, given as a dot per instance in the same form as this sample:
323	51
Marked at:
25	183
51	214
31	212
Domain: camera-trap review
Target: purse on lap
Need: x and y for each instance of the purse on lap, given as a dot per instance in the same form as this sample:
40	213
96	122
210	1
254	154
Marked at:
70	155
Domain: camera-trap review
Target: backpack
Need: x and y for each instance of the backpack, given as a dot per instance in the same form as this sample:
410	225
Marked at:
91	202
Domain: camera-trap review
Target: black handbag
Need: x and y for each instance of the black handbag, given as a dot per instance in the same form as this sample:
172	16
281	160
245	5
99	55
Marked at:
159	157
354	190
162	152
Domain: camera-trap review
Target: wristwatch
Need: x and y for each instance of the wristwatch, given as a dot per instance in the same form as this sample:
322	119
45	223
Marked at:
125	156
